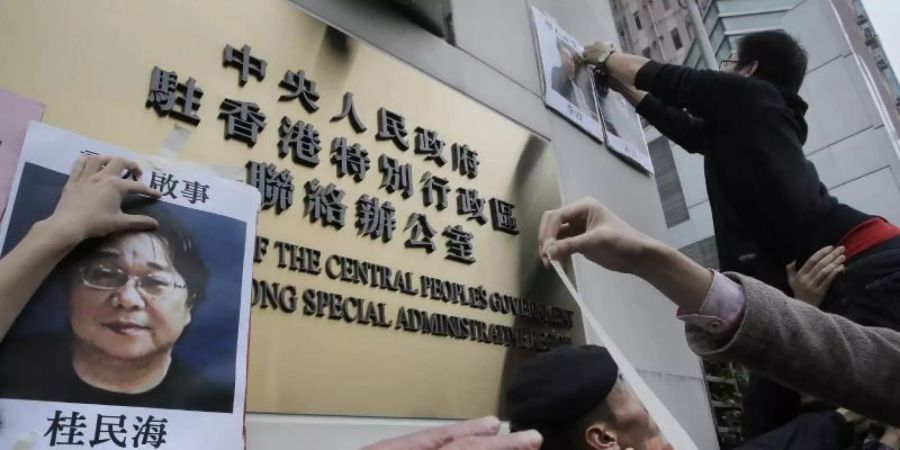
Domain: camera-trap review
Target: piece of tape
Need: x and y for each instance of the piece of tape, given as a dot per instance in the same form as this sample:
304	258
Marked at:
174	142
168	156
163	164
670	428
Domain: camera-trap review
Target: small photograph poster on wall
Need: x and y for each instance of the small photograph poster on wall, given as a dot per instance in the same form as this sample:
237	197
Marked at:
570	88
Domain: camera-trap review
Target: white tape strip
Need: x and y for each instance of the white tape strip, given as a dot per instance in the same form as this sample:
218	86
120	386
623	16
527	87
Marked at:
174	142
165	163
671	429
168	156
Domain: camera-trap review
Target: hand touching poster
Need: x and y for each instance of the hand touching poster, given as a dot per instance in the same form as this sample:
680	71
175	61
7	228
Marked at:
137	339
571	90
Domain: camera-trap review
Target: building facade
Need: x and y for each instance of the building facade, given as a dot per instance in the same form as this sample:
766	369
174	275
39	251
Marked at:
727	20
874	44
658	29
469	70
459	44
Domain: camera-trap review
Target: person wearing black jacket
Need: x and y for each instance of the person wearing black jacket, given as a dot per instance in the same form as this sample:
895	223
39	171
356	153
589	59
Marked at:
768	204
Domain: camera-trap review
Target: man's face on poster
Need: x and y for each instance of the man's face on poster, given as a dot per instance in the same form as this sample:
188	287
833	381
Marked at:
567	61
127	300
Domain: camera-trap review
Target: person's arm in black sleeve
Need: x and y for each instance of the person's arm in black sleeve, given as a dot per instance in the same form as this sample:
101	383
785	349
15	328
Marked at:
705	94
675	124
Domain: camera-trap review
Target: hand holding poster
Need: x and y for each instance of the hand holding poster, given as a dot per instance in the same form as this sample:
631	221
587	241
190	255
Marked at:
571	90
138	339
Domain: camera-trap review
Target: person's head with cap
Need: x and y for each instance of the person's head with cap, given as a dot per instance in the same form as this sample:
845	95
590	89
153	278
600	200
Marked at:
573	396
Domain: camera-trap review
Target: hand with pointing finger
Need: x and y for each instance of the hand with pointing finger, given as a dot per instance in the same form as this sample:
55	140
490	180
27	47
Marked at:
811	282
477	434
589	228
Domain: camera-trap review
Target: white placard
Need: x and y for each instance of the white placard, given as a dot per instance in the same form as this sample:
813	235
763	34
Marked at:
569	89
201	319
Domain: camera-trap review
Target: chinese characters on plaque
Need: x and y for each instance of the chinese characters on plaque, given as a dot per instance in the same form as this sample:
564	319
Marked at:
300	143
395	215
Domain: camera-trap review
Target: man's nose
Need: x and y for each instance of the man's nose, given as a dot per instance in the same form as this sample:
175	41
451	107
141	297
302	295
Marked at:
128	296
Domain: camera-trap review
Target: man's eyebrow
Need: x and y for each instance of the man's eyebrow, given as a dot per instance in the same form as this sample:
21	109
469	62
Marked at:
108	253
157	266
112	253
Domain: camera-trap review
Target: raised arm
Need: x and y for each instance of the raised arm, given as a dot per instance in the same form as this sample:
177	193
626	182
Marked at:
591	229
675	124
704	93
820	354
90	206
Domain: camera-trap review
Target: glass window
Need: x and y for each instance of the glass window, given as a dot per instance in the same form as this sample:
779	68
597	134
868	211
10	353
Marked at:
637	20
668	183
676	39
703	252
623	27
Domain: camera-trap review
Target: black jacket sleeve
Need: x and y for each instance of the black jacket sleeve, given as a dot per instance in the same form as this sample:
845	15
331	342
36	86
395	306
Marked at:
705	94
675	124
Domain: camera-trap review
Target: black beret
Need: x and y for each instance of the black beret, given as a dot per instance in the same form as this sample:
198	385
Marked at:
560	385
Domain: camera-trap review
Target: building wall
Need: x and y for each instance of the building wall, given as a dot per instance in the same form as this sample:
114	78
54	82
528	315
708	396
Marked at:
727	20
494	62
660	21
854	144
872	41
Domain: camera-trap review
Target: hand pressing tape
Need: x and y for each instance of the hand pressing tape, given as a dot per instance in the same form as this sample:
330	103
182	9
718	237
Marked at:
671	429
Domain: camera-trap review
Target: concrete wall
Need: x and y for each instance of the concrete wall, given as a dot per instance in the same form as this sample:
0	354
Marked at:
494	63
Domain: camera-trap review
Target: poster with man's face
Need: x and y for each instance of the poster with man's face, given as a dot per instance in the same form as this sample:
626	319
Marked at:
137	339
568	84
570	89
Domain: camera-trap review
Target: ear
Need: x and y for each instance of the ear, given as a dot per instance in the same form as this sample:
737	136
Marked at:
750	69
600	437
189	315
